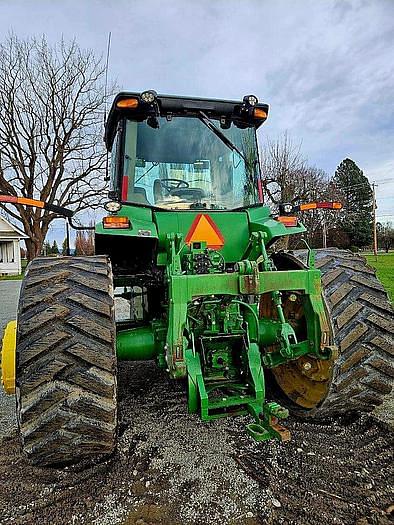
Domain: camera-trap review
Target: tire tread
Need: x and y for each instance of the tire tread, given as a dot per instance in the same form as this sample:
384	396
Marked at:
363	323
66	363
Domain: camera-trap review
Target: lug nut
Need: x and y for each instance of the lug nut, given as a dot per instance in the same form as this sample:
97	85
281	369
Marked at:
307	366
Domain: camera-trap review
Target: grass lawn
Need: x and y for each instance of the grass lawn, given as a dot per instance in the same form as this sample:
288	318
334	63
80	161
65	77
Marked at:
11	277
384	270
15	277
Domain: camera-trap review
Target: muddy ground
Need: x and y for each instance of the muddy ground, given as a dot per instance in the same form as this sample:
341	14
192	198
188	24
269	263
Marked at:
170	468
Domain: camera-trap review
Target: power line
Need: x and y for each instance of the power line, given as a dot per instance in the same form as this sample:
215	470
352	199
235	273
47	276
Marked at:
378	183
386	181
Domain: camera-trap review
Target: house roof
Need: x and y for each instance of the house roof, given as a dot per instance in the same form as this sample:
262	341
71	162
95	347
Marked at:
10	231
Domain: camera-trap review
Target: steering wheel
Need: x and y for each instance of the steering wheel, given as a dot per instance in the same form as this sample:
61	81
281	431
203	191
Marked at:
173	184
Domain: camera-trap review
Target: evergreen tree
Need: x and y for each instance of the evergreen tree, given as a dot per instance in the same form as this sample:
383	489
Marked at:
356	194
64	247
46	249
55	248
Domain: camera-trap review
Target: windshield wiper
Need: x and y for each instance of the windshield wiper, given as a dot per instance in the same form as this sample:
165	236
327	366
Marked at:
154	164
210	125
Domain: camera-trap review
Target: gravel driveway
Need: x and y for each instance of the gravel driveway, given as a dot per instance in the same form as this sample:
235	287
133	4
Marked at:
9	293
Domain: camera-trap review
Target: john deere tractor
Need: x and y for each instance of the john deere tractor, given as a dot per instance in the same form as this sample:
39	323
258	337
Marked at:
188	245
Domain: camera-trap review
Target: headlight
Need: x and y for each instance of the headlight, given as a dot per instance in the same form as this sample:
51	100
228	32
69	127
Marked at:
149	96
251	100
112	206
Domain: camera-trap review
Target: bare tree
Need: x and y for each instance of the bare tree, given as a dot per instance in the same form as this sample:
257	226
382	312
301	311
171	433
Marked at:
84	242
51	115
288	178
385	235
314	185
282	165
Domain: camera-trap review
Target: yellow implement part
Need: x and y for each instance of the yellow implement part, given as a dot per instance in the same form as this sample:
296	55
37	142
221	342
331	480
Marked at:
8	360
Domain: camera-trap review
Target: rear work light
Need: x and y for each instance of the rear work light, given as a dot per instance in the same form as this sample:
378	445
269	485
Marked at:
116	223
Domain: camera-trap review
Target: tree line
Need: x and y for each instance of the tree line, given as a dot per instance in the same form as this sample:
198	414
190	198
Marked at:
288	177
84	245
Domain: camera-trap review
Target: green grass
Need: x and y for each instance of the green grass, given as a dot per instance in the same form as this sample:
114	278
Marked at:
11	277
15	277
384	270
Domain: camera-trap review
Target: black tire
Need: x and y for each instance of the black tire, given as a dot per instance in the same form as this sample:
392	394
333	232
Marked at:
362	318
363	324
66	362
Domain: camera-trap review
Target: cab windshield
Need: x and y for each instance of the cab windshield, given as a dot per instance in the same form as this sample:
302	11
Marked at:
180	163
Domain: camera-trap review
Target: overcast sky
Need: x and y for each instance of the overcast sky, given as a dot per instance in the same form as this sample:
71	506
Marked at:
325	67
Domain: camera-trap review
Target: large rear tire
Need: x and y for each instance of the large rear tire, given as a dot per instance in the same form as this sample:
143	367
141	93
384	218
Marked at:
362	322
66	363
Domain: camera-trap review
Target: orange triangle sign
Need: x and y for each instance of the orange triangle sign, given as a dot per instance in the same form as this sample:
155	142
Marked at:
203	229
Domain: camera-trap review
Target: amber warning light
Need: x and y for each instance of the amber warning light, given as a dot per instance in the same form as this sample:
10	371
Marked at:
288	208
259	113
288	221
127	103
319	206
115	222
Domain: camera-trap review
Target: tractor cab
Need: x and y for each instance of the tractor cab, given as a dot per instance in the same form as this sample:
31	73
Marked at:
178	153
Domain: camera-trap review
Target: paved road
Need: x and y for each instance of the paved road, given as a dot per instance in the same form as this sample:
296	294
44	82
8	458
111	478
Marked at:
9	293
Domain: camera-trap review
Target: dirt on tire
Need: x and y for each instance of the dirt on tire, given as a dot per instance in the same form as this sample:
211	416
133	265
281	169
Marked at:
66	364
170	468
363	321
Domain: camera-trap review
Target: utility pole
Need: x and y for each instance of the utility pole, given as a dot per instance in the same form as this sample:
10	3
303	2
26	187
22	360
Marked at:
324	231
375	237
67	238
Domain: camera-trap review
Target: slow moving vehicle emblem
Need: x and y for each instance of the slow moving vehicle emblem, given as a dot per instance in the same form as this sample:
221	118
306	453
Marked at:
204	229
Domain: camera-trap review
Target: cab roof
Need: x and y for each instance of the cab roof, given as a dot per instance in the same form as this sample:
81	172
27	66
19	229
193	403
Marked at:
173	105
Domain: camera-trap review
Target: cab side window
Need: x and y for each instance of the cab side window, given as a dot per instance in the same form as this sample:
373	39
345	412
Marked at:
114	186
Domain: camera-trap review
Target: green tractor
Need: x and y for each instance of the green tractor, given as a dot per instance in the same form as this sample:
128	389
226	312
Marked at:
188	248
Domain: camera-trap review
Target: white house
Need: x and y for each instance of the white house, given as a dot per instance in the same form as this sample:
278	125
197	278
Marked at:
10	253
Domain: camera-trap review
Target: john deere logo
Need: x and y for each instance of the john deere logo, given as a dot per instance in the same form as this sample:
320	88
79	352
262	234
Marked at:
204	229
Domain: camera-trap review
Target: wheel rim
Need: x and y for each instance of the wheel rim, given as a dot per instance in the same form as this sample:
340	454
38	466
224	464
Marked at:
305	382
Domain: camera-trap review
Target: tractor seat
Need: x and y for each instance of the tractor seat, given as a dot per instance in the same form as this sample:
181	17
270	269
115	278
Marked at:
139	195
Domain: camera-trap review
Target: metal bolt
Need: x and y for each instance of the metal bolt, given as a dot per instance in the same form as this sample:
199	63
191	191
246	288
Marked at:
307	366
292	297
